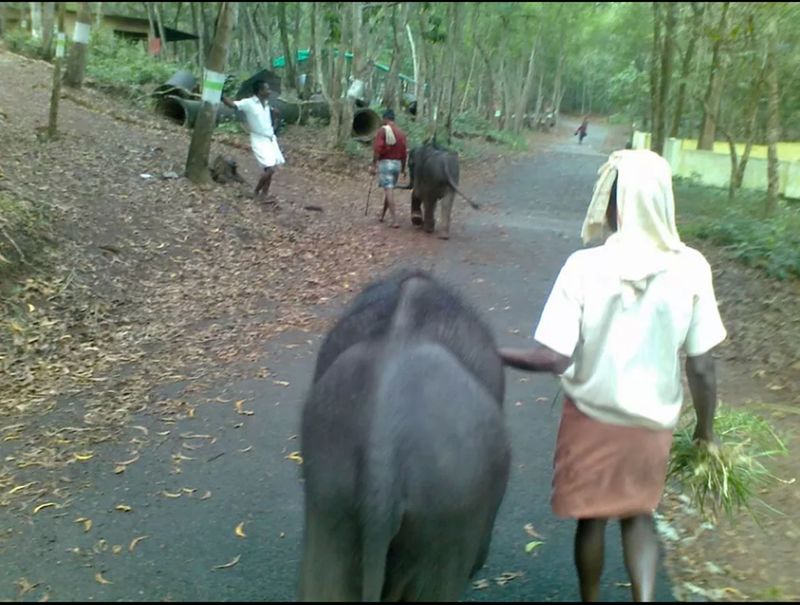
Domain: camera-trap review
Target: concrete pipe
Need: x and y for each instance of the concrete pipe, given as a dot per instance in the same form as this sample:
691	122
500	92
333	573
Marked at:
184	111
365	124
182	83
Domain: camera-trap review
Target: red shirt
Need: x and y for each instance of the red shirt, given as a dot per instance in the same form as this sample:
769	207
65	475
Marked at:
390	152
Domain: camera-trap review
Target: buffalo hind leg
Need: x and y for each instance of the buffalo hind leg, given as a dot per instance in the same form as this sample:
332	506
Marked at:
429	207
416	210
446	211
330	571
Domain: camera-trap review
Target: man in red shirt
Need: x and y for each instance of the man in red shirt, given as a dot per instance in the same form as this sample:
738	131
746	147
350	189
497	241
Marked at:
389	161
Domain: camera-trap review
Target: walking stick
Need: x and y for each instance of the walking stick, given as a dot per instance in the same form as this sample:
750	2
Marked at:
366	208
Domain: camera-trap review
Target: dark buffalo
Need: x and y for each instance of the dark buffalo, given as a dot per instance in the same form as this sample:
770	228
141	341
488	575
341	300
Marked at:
406	455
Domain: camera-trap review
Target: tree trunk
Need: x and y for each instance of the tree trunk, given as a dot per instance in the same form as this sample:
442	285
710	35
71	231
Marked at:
655	81
539	97
61	43
36	20
98	14
162	36
392	91
200	146
290	81
422	99
697	20
76	63
454	44
522	106
415	61
557	92
491	93
667	54
260	54
714	90
48	22
469	81
197	20
773	117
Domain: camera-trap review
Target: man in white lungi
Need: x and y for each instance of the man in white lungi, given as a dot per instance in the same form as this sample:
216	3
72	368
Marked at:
262	134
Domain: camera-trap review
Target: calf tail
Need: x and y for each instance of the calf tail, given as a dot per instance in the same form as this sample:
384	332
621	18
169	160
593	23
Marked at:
379	517
375	548
456	189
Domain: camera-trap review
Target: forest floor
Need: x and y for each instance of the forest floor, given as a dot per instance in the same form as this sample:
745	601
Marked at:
157	282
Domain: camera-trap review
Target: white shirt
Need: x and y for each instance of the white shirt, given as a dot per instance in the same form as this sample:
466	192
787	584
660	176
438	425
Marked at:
626	365
259	119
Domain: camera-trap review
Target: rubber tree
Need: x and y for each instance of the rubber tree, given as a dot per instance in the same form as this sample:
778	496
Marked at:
773	116
200	146
48	21
715	81
666	49
61	42
76	62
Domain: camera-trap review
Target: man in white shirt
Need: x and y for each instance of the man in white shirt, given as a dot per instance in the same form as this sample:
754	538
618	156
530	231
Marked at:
613	328
258	113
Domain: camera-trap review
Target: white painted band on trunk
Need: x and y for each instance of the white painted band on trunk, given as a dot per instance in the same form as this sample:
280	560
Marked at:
213	83
61	45
81	33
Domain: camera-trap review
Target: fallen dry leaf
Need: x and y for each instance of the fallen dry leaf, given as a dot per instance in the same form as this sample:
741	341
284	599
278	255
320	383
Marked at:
43	506
87	523
239	531
116	549
135	541
532	532
123	508
25	586
171	495
19	488
83	457
136	457
296	457
228	565
205	496
282	383
507	576
100	579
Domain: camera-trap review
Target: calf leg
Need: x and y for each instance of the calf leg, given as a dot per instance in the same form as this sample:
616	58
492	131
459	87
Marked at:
429	207
416	209
446	211
331	569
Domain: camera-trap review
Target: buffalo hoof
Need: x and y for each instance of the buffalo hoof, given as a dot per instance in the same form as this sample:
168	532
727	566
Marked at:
416	219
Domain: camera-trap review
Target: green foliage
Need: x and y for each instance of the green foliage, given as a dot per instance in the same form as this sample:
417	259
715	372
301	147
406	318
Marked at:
24	234
117	63
772	245
725	478
20	41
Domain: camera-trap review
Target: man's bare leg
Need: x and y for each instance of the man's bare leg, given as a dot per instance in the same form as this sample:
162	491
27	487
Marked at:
385	208
264	182
640	550
589	547
389	201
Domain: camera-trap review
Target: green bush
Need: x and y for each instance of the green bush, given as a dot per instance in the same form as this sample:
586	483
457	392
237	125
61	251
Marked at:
25	233
123	64
772	245
20	41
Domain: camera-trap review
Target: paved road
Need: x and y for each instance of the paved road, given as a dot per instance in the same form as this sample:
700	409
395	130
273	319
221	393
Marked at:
505	262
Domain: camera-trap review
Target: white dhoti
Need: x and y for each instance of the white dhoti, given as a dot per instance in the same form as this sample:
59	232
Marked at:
266	150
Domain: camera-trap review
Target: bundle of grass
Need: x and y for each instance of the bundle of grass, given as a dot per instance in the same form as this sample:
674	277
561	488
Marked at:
725	477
